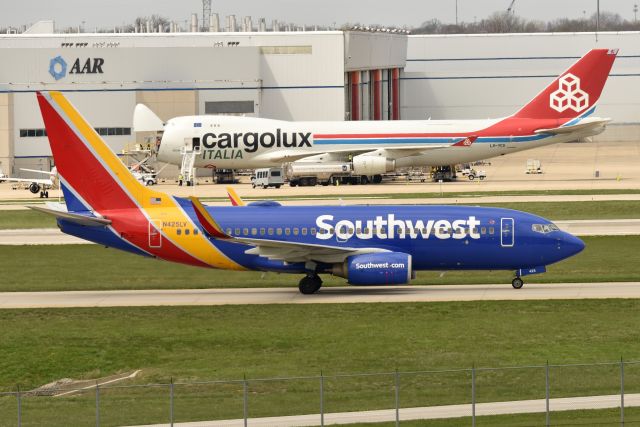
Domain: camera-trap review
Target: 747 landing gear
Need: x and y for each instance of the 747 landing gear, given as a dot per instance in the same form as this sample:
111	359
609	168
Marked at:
517	283
310	284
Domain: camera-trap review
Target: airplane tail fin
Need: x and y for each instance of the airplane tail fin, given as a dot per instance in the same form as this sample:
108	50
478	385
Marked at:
92	176
575	92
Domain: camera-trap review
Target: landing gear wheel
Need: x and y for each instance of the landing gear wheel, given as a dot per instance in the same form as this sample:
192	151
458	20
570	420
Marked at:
46	194
310	284
517	283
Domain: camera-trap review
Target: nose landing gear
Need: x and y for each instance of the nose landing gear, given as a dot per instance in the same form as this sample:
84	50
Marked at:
517	283
310	284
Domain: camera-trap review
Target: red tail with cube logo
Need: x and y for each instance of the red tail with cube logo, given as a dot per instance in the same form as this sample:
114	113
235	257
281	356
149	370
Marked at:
575	91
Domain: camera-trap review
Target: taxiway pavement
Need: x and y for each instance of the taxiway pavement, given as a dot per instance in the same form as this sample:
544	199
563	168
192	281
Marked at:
329	295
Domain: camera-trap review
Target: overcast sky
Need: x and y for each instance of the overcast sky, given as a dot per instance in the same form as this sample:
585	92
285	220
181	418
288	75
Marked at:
108	13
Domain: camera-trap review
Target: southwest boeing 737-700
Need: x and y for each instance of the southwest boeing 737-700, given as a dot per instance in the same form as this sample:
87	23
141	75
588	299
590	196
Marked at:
367	245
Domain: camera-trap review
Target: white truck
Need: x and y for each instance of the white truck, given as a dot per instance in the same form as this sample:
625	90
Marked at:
268	177
309	174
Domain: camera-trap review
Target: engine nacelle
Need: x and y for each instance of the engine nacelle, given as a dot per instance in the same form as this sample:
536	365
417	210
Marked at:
385	268
34	187
372	165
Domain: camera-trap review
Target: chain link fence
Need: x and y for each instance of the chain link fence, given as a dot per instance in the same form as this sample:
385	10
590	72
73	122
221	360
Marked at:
575	394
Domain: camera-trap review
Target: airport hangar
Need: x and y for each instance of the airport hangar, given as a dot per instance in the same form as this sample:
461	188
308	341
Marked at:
319	75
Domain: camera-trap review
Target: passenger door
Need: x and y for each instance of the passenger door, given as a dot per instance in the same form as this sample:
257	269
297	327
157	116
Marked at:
507	237
155	237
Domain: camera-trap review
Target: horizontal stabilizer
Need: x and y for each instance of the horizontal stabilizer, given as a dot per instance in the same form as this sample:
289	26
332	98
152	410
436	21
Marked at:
73	217
466	142
585	124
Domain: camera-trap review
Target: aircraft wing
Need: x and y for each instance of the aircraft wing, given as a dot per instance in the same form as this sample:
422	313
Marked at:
277	249
40	181
393	152
591	123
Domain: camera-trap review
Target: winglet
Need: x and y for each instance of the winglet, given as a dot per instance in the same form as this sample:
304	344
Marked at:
233	196
467	142
210	226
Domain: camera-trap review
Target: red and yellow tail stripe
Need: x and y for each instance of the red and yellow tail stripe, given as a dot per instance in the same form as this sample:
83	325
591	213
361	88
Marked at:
96	174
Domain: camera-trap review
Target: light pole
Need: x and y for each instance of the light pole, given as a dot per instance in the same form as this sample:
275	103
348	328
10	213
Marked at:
635	13
456	13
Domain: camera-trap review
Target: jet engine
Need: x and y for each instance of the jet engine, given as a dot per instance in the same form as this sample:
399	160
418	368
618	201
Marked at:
384	268
34	187
372	165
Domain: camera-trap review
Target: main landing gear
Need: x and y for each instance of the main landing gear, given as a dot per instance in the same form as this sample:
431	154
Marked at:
310	284
517	283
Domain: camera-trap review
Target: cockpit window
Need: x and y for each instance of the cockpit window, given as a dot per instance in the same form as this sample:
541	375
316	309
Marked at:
544	228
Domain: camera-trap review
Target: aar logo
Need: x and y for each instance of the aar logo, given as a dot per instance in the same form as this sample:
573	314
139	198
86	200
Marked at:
58	67
569	95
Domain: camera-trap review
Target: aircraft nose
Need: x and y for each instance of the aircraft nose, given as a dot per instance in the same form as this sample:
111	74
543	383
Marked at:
570	245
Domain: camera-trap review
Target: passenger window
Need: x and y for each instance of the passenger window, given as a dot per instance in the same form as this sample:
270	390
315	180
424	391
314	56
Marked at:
270	231
295	231
313	231
245	231
279	231
195	231
186	231
287	231
262	231
237	232
304	231
483	230
179	231
491	230
254	231
229	231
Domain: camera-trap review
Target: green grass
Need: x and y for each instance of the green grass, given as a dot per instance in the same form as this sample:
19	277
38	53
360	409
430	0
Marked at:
610	209
91	267
228	342
25	219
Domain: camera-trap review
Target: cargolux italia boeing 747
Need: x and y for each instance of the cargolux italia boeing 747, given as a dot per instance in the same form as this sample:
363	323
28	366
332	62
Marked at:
561	112
367	245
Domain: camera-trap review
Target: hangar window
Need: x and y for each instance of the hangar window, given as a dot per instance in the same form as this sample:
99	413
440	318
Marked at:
229	107
115	131
31	133
286	50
